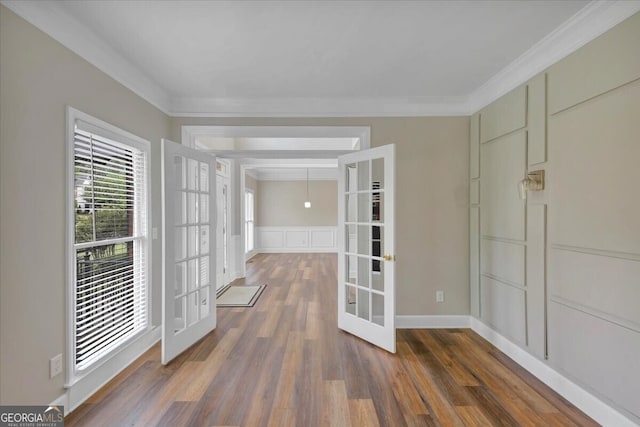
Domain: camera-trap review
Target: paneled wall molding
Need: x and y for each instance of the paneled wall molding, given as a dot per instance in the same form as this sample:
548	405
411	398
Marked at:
625	323
505	281
593	251
505	116
504	240
296	239
578	310
522	129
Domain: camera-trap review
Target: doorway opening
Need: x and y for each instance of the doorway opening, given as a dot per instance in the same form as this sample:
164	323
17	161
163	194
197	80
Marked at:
272	152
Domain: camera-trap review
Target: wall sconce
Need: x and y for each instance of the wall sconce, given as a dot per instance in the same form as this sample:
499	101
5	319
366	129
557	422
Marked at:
534	181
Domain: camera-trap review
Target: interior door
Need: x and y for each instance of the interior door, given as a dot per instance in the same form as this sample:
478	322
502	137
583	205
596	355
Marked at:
366	245
189	223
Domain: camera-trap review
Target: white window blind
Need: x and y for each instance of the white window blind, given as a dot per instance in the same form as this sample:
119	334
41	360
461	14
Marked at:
110	242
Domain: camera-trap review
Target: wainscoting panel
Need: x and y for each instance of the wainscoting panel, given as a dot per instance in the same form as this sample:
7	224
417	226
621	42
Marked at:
323	238
596	189
609	285
536	278
296	239
537	138
503	164
269	239
506	115
607	62
474	255
503	261
474	192
598	354
503	308
474	147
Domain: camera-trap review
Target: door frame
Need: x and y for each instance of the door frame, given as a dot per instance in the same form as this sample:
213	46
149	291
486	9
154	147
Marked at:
190	134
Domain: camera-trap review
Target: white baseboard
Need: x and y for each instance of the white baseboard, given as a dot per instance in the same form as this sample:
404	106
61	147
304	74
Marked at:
431	322
585	401
62	400
86	386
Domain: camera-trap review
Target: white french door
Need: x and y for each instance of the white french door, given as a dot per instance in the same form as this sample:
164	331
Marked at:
189	246
366	245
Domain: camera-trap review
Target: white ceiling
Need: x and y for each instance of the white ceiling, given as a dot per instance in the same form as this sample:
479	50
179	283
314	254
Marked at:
329	57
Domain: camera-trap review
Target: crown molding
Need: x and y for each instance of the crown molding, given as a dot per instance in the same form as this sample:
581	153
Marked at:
58	24
588	23
324	174
319	107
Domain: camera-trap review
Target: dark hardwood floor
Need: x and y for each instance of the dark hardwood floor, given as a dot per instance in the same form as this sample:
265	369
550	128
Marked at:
284	362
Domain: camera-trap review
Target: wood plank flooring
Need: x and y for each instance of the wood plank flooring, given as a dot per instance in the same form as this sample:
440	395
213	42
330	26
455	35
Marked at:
284	362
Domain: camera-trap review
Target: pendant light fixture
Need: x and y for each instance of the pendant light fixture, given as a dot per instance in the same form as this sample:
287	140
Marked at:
307	203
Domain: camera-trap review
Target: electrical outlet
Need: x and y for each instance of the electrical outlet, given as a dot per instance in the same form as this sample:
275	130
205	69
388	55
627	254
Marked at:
55	366
439	296
154	233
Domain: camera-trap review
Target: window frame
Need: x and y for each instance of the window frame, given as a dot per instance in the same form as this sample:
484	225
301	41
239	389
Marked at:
106	130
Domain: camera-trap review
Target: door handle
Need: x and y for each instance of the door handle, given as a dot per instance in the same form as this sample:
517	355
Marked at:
388	257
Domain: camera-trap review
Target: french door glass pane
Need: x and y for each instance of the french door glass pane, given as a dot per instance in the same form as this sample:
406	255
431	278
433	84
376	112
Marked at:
363	304
181	278
363	271
377	309
363	176
364	207
204	302
350	303
363	240
180	314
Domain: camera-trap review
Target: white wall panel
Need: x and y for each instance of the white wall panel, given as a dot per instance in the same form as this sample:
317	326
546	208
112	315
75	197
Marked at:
536	278
607	62
474	255
503	164
608	284
474	146
474	192
537	128
296	239
322	238
268	239
595	152
506	115
503	260
602	355
503	308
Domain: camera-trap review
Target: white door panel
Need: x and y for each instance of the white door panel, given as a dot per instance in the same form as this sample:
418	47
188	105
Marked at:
189	247
366	244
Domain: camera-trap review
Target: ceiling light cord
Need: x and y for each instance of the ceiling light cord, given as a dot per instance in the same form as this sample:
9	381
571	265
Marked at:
307	203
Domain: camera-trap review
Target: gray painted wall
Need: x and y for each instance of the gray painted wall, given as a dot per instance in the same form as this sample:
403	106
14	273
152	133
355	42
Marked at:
563	267
281	203
38	79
